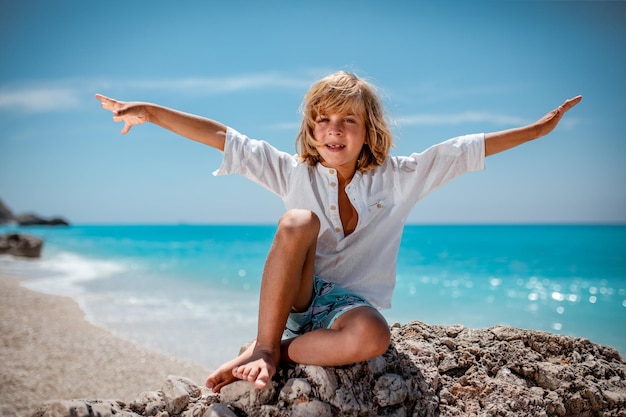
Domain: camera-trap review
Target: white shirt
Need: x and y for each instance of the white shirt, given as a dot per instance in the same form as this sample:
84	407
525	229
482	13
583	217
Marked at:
365	260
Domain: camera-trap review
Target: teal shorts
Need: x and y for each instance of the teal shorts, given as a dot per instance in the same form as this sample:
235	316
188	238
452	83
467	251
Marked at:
329	302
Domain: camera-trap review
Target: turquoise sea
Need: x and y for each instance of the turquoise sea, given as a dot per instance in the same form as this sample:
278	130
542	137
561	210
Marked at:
191	290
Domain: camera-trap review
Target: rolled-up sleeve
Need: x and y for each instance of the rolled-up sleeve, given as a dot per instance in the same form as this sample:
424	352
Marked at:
424	172
256	160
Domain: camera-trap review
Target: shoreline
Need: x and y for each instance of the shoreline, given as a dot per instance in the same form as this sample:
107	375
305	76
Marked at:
50	351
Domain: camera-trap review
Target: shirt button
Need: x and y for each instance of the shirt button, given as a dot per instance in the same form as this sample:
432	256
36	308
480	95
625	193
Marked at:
332	184
333	207
331	171
337	229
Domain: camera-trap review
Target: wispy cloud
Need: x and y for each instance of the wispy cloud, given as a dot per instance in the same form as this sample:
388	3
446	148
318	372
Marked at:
63	95
217	85
39	99
459	118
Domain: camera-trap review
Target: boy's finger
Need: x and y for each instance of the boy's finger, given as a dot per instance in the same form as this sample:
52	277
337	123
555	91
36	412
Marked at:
572	102
103	99
568	104
106	102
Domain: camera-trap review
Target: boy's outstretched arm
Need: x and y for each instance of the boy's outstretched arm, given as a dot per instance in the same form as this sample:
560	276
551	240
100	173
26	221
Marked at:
193	127
506	139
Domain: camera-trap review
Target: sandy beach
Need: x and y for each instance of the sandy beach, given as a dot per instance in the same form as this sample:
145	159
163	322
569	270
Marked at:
49	351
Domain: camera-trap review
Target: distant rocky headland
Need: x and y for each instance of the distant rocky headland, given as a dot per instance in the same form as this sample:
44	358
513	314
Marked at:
428	371
28	219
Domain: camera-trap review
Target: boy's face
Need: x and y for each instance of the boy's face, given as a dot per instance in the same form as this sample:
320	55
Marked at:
342	136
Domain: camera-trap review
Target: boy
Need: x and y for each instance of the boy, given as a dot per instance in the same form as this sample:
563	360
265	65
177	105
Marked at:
332	262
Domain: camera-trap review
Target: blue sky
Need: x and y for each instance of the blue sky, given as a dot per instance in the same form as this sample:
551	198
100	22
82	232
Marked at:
444	69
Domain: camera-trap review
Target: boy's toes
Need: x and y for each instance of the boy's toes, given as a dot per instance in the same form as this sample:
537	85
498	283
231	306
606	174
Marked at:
212	381
252	374
214	385
262	379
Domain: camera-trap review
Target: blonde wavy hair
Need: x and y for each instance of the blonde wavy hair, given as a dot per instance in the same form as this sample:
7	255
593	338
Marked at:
336	93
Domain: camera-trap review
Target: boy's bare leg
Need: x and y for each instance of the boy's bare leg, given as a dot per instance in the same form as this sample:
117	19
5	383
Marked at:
287	284
357	335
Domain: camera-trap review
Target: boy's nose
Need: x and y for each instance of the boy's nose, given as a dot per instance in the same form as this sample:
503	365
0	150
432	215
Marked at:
335	128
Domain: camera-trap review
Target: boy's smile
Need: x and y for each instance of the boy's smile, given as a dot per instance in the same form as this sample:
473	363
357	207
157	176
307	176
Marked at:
342	136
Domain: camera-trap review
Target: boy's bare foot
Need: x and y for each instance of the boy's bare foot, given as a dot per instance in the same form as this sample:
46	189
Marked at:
260	369
254	365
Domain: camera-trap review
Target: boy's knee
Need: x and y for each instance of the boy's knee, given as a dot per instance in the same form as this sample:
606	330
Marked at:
372	335
380	340
373	346
300	222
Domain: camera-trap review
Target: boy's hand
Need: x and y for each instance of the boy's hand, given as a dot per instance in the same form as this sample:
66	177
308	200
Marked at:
496	142
129	113
548	122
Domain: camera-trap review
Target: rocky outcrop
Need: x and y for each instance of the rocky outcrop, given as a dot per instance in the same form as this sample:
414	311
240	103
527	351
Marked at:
427	371
17	244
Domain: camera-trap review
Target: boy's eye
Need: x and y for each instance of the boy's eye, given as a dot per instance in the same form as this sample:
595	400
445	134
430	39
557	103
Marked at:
321	119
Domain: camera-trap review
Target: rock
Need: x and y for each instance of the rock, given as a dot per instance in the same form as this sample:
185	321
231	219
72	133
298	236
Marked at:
389	389
427	371
243	396
178	392
295	389
324	379
312	408
218	410
176	401
30	219
148	403
17	244
80	408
